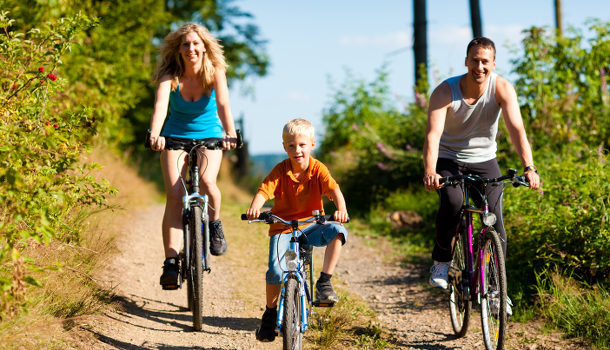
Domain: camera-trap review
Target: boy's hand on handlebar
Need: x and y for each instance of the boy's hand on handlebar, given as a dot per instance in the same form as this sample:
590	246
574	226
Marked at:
533	178
341	216
157	143
431	181
229	141
253	213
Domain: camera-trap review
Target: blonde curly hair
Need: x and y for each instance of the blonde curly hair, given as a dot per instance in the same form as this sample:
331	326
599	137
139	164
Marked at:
170	61
298	127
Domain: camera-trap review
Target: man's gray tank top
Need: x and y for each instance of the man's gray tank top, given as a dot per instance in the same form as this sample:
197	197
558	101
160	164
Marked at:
470	131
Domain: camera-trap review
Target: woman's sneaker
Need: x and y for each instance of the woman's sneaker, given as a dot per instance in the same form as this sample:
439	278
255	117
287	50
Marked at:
218	244
266	332
170	279
440	274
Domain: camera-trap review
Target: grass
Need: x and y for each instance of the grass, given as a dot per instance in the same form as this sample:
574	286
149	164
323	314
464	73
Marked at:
581	311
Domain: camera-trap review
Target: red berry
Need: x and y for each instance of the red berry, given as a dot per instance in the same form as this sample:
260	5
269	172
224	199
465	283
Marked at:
15	86
55	125
42	81
41	69
48	123
93	119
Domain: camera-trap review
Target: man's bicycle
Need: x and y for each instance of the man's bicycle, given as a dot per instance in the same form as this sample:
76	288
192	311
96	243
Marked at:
296	300
194	256
481	278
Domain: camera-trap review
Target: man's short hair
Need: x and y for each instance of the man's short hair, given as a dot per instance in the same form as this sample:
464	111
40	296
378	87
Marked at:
298	127
483	42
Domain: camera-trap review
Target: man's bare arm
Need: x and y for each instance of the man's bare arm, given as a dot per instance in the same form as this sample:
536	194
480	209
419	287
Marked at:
440	101
507	97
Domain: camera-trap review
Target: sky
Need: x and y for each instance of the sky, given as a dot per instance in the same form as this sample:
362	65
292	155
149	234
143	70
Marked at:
312	44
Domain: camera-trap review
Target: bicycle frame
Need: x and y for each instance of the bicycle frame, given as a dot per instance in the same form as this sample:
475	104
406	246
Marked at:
304	293
190	199
473	267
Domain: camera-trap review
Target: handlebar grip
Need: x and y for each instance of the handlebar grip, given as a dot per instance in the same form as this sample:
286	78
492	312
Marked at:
262	216
240	138
442	180
332	218
244	217
147	140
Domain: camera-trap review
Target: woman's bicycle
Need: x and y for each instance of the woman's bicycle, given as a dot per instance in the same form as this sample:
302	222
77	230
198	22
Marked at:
195	253
481	278
296	300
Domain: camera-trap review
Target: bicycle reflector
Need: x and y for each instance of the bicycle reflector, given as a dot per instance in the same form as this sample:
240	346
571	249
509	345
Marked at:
291	260
489	219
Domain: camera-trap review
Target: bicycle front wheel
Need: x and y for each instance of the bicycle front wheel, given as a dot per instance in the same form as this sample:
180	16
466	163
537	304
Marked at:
291	328
460	306
493	296
196	268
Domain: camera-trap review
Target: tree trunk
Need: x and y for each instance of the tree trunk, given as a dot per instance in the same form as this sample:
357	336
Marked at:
558	18
475	18
420	41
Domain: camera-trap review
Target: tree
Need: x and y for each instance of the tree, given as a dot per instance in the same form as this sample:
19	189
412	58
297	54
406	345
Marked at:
558	23
420	40
475	18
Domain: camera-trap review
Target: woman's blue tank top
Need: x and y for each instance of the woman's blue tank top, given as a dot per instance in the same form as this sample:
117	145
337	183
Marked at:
192	120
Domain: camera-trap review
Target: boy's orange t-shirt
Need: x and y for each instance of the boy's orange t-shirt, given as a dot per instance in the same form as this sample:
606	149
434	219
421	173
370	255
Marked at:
295	200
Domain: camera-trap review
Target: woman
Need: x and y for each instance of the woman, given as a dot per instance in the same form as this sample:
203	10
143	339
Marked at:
191	78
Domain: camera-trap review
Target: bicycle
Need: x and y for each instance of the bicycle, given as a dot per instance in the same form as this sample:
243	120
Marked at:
296	302
483	280
194	256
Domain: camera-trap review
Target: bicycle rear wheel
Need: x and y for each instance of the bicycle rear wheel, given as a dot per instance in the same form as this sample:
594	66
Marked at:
291	327
460	306
196	268
493	298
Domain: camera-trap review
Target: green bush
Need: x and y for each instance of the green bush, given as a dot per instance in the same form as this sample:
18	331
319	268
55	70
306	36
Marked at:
43	185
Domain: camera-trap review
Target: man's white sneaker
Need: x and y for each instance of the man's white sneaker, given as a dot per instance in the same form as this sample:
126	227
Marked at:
440	274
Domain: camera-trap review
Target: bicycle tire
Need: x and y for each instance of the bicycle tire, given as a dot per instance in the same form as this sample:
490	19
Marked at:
494	274
459	308
291	327
197	267
206	240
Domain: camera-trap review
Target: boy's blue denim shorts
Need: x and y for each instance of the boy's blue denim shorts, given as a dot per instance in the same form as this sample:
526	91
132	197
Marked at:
318	236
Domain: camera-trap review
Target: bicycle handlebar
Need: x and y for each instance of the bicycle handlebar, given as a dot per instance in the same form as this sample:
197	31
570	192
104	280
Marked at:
173	143
269	218
512	176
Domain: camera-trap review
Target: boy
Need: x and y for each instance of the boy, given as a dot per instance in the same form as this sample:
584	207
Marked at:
298	184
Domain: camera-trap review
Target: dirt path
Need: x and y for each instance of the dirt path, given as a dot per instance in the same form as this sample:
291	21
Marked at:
147	317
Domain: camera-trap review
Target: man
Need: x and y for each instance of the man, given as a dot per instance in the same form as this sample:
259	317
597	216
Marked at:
461	133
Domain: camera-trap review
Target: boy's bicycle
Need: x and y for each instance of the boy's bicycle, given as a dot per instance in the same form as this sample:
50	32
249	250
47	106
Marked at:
482	278
194	256
296	300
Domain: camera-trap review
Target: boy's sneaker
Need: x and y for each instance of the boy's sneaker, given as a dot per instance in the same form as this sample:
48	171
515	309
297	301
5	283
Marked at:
171	273
266	332
325	293
218	244
440	274
494	305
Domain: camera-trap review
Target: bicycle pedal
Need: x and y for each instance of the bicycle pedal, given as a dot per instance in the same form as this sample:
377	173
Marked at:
319	304
171	287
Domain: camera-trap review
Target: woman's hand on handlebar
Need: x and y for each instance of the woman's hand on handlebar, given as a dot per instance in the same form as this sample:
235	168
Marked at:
157	143
431	181
341	216
253	213
229	141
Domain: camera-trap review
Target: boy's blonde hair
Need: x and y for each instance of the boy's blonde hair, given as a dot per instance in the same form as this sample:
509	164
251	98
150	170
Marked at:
298	127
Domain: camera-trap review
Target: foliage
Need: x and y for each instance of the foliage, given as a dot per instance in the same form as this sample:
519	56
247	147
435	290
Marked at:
373	147
565	225
43	186
563	86
112	65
